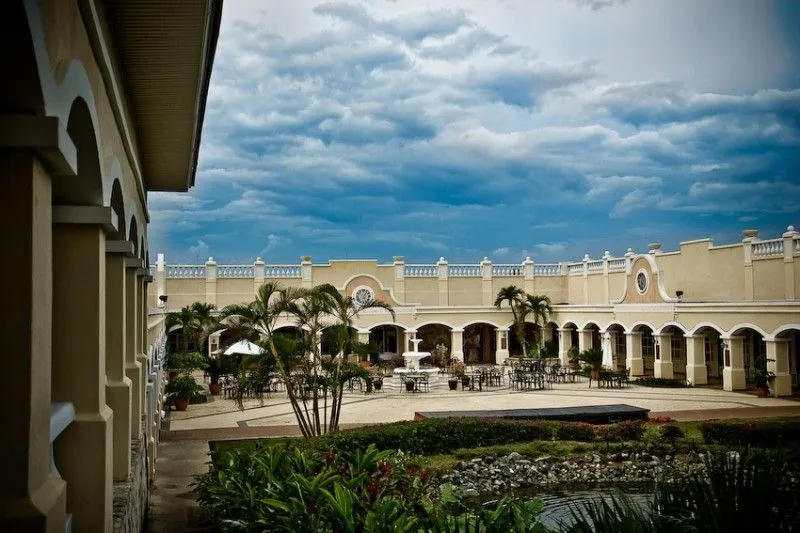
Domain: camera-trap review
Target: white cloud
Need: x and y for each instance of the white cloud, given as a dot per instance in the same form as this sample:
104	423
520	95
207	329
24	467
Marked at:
552	248
600	186
200	248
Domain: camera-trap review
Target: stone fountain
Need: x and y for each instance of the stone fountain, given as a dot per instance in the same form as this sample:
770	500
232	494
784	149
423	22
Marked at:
412	358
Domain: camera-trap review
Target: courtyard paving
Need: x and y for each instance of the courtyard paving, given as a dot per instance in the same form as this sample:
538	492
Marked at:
393	405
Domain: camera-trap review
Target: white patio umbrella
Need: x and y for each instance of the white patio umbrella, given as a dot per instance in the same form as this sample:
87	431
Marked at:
244	347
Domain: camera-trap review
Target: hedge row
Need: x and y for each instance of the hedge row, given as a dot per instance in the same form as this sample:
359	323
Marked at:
441	436
762	433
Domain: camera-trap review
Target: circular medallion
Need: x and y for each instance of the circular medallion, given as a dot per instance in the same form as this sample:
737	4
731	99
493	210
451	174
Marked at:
363	296
641	281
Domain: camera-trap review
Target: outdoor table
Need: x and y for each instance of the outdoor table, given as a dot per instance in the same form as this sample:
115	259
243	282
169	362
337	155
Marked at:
416	379
472	377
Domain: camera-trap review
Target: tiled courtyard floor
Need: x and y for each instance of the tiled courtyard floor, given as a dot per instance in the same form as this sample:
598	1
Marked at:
183	452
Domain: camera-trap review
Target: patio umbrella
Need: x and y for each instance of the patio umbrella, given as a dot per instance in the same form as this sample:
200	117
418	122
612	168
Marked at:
244	347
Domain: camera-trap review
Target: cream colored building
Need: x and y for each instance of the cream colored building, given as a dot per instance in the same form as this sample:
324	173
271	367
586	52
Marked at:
702	312
100	102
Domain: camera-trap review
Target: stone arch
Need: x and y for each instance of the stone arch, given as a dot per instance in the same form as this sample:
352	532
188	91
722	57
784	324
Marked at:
666	325
740	328
133	235
712	348
388	336
141	247
677	348
431	333
619	345
480	342
117	203
704	326
754	350
85	187
786	357
532	335
645	344
640	326
783	329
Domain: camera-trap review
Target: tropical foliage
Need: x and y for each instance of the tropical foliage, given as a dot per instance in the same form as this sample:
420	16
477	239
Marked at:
524	308
314	382
196	322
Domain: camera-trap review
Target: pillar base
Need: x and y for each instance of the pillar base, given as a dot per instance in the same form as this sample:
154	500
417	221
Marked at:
636	366
697	374
663	369
733	379
457	355
501	356
782	385
45	510
118	398
83	456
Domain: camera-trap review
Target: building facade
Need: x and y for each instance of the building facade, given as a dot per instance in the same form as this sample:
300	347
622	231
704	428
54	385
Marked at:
703	313
100	102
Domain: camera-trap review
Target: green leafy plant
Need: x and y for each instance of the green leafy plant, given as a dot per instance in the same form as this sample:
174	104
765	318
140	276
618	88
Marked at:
188	362
592	357
184	387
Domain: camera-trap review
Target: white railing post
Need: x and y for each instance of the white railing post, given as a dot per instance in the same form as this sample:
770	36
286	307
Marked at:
486	281
529	272
442	274
306	271
258	274
399	264
750	235
211	281
788	262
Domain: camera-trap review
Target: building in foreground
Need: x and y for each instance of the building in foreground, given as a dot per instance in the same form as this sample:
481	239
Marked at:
705	313
100	102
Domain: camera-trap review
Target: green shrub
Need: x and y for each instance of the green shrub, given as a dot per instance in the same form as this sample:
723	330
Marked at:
622	431
579	431
762	433
282	489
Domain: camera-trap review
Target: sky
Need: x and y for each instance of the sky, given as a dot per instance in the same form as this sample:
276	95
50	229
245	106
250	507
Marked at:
490	128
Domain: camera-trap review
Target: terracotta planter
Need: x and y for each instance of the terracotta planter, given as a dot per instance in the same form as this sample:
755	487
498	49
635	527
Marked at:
453	384
173	375
409	386
181	404
762	392
214	389
378	384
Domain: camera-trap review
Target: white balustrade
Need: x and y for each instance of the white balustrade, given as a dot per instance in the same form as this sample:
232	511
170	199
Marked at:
547	269
508	270
186	271
235	271
797	245
594	266
575	269
464	271
772	247
421	271
282	271
616	264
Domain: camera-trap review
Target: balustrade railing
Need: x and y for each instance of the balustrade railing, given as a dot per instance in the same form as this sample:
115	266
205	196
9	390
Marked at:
797	245
282	271
186	271
546	269
463	271
235	271
594	266
420	271
508	270
574	269
616	264
772	247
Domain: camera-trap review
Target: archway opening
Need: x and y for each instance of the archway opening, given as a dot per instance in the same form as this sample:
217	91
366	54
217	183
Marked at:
549	340
619	346
86	187
712	351
387	339
792	338
532	336
648	348
593	339
754	352
480	344
434	335
677	349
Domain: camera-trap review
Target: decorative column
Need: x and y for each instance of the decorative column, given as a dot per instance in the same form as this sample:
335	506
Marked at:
306	273
118	385
457	344
663	366
585	278
32	498
606	288
584	339
84	452
696	369
258	274
788	262
211	281
529	270
633	353
444	291
133	365
161	279
547	334
733	376
608	349
501	339
564	344
399	278
778	364
487	294
750	235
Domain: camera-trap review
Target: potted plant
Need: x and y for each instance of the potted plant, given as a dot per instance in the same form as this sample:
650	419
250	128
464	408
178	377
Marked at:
216	367
572	358
457	370
594	358
181	390
761	380
441	351
187	362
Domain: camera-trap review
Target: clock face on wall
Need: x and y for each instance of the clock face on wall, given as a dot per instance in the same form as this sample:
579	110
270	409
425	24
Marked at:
363	296
641	282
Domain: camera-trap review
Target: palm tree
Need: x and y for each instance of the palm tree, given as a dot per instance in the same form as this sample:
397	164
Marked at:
514	296
537	307
187	319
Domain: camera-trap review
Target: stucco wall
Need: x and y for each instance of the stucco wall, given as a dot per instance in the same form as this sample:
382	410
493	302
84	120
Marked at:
574	290
768	279
234	291
183	292
552	286
616	285
704	274
424	291
465	291
597	289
